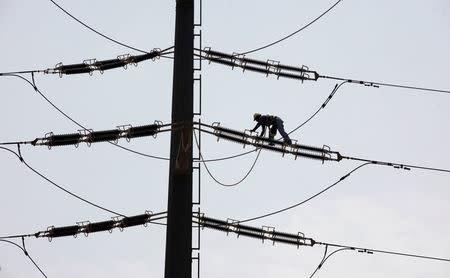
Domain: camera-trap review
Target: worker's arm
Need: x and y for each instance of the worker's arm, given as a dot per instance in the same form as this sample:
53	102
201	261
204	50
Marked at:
256	126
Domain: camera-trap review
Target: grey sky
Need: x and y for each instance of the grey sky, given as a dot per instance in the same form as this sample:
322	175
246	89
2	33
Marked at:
404	42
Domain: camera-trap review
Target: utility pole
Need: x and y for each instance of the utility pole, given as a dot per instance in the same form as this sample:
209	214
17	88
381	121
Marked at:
179	221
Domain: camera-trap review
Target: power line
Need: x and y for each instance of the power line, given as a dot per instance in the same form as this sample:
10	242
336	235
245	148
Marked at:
212	176
290	35
303	73
77	123
323	154
60	187
95	31
369	250
386	84
306	200
396	165
25	252
299	239
229	157
336	87
90	65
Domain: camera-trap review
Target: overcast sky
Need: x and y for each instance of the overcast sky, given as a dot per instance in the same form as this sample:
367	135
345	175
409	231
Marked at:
401	42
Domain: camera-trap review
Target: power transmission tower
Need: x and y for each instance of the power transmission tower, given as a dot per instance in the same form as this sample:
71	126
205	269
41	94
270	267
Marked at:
179	221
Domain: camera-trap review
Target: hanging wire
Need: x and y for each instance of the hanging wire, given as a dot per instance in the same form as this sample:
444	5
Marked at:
396	165
26	254
212	176
373	83
80	125
290	35
60	187
370	251
306	200
325	257
95	31
230	157
336	87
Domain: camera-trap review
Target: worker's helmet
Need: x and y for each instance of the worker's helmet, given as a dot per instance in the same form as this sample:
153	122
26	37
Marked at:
256	116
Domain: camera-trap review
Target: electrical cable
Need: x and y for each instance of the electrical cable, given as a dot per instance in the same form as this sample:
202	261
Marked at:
290	35
302	73
212	176
306	200
21	72
324	259
336	87
60	187
97	32
80	125
386	84
368	250
230	157
396	165
26	254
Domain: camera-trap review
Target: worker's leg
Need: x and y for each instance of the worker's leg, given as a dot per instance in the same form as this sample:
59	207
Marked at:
280	126
273	131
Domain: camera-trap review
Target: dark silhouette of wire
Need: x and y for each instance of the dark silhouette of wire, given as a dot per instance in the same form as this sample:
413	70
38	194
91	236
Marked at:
368	250
60	187
77	123
399	165
320	108
15	143
385	84
20	72
16	236
212	176
139	153
95	31
229	157
290	35
325	257
306	200
26	254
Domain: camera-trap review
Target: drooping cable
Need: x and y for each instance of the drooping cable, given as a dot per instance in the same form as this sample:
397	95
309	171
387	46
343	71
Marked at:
306	200
292	34
325	257
230	157
26	254
95	31
370	251
80	125
212	176
396	165
385	84
60	187
336	87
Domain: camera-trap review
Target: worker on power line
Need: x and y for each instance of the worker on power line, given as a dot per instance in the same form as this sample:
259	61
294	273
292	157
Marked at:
274	123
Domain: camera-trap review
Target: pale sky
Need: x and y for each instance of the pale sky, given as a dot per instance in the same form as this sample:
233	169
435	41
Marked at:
401	42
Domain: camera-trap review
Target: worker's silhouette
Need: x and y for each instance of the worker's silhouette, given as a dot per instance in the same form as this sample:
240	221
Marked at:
274	123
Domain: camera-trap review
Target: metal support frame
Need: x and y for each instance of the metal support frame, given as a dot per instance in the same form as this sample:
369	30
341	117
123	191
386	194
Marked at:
197	92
